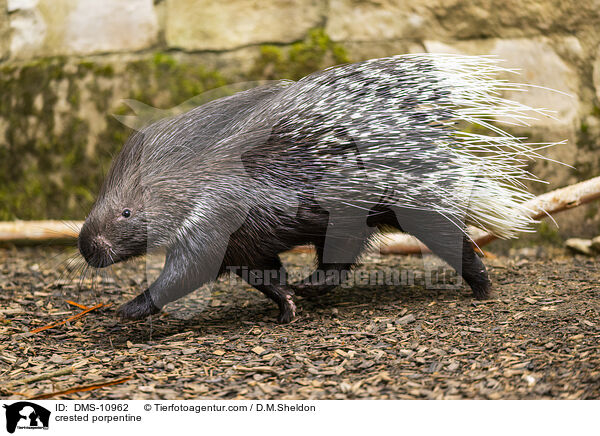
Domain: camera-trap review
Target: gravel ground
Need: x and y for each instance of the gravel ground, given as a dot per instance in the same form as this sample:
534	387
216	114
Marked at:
538	338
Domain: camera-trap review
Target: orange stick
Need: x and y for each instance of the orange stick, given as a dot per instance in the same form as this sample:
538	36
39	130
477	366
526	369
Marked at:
81	306
73	318
81	389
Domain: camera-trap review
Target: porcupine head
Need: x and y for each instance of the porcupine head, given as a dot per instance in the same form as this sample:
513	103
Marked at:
147	196
178	184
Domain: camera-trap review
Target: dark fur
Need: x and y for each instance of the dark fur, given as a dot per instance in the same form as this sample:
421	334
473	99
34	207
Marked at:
258	184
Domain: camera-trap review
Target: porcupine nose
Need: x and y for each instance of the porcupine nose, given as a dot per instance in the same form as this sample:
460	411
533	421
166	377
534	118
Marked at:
94	249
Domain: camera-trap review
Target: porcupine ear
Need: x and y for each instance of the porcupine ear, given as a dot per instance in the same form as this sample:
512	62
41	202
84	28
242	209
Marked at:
144	115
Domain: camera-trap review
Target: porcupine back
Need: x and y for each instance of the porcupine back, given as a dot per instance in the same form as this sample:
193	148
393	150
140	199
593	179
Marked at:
394	128
398	127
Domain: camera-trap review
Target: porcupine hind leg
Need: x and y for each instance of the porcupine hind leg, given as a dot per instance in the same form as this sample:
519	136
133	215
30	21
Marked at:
269	277
446	239
323	280
461	256
469	265
474	272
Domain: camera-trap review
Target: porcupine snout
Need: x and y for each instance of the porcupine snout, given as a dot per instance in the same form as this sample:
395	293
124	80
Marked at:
94	248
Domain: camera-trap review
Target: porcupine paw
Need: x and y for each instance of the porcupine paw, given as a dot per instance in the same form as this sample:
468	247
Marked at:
287	310
138	308
482	290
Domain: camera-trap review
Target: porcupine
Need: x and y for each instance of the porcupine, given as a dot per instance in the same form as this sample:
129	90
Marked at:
326	160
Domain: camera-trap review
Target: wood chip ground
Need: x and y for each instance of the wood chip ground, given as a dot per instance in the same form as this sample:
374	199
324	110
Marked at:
538	338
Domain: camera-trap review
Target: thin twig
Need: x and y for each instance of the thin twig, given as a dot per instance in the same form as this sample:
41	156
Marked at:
81	306
7	388
45	376
73	318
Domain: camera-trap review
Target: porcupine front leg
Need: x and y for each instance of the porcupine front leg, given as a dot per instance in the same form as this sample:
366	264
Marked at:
138	308
180	276
272	281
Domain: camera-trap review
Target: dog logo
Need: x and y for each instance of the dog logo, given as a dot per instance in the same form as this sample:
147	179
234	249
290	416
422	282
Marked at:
26	415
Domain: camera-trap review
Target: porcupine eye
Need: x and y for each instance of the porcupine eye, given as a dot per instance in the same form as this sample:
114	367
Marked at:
126	213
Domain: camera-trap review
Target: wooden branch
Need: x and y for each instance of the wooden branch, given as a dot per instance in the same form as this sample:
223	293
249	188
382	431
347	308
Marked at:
541	206
32	232
565	198
28	232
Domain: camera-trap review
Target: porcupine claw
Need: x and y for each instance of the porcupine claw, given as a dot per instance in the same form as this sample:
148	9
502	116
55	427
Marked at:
287	312
483	291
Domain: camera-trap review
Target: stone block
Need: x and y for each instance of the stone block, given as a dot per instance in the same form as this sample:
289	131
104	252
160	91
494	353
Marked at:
4	29
376	20
210	25
41	28
555	84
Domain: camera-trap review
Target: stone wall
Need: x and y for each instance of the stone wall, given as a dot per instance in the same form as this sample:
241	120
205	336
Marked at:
66	66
